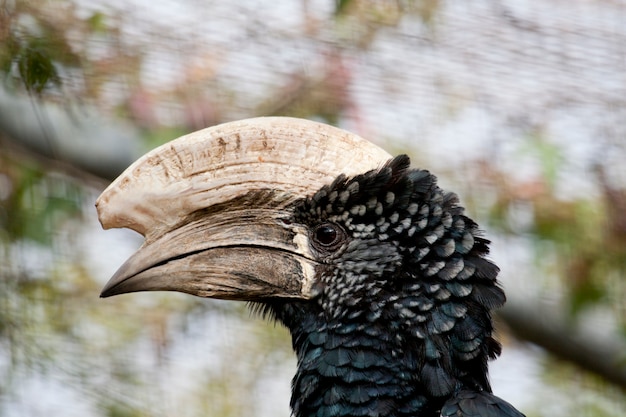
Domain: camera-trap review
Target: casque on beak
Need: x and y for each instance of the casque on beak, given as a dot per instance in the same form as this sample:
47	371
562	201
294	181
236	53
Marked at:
215	208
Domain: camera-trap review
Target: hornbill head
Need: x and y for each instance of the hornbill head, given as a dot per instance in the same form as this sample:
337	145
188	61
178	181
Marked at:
216	208
378	274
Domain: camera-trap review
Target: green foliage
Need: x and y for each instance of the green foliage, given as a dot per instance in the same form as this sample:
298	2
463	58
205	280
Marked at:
341	6
97	22
36	203
44	44
577	239
31	48
548	155
35	66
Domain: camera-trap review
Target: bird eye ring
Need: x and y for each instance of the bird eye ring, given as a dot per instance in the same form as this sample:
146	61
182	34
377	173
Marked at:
328	236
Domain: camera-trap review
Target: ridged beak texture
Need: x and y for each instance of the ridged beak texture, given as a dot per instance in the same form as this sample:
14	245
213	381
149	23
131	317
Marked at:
215	207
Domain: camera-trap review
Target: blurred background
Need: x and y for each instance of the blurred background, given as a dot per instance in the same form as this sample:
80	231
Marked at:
519	106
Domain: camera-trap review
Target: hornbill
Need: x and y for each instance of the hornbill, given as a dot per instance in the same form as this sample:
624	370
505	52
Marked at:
380	277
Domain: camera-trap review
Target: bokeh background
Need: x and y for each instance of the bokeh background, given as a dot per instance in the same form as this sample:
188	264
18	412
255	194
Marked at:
519	106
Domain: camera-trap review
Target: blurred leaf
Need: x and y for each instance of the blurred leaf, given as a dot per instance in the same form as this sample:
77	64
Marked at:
586	288
120	410
97	23
37	204
36	68
549	156
341	6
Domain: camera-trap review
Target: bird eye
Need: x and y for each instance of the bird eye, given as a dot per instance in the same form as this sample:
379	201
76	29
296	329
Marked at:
328	236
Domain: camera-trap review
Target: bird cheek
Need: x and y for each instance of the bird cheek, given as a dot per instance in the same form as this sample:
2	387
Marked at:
316	285
370	257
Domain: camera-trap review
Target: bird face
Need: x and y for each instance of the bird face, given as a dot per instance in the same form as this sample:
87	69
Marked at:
354	227
217	209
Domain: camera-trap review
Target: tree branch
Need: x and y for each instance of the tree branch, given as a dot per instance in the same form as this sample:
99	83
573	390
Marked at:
547	325
77	136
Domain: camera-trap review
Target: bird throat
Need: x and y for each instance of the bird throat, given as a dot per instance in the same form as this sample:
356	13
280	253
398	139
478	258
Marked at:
349	368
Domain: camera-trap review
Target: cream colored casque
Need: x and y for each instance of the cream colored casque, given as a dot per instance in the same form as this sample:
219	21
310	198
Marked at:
212	207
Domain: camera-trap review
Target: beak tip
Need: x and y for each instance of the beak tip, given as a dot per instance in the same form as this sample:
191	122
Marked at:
112	288
106	292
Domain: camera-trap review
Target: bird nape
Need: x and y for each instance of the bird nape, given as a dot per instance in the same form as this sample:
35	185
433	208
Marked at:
381	279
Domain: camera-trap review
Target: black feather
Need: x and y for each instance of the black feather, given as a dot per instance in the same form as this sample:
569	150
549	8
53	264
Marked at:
478	404
402	322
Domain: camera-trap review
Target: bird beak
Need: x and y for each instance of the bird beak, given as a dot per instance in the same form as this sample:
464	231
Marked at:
235	252
215	208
